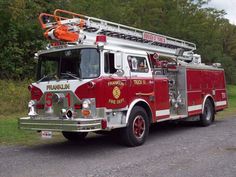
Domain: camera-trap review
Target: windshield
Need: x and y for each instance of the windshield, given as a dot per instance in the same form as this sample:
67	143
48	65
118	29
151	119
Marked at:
69	64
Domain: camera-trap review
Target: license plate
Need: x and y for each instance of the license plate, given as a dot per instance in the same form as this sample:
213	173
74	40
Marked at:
46	134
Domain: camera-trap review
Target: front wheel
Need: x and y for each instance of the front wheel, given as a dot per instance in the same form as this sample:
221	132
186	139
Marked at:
137	130
207	117
74	136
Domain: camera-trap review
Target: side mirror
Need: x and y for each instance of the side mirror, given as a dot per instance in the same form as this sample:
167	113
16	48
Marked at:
120	72
118	61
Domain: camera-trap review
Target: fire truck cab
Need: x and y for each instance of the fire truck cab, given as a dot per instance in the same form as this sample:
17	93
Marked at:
98	76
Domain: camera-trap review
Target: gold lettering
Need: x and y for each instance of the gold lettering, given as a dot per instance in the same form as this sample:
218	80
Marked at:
112	101
67	86
120	101
49	87
138	82
58	87
115	83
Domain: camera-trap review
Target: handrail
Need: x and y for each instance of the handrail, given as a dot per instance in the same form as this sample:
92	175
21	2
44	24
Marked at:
43	24
65	12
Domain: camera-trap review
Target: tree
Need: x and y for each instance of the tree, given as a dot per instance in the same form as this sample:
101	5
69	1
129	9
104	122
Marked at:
21	35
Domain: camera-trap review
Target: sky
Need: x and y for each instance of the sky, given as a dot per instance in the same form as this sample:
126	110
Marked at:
227	5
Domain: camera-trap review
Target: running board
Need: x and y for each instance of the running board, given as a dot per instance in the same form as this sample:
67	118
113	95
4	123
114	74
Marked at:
173	117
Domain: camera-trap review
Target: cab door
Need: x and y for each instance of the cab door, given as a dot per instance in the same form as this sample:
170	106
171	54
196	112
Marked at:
141	84
141	81
115	81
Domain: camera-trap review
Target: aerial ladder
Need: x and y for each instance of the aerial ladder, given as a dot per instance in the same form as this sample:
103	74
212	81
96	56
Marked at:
74	29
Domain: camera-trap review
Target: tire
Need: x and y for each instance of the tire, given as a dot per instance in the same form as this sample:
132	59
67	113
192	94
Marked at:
208	114
137	129
74	136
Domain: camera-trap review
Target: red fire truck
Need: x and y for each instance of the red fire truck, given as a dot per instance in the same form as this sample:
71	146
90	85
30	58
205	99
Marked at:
97	75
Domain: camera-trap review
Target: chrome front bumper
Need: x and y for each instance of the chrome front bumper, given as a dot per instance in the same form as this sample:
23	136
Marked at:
71	125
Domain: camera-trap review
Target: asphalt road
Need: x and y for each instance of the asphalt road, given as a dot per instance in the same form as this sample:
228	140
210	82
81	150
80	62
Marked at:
171	151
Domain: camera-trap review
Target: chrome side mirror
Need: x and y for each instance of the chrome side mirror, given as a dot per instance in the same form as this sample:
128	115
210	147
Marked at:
120	72
118	61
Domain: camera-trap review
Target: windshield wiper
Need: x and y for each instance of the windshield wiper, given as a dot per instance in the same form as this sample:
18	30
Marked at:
48	76
71	75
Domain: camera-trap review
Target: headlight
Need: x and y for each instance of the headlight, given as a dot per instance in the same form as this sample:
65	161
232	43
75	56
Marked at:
86	104
88	107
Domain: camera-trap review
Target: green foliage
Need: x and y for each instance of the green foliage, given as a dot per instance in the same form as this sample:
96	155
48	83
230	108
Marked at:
231	110
21	35
10	134
229	65
14	97
232	96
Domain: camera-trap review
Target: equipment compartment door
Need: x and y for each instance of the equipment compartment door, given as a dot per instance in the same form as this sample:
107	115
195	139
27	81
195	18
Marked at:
162	98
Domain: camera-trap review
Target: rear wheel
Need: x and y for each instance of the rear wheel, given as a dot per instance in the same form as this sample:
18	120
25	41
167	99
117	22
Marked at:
74	136
137	130
207	116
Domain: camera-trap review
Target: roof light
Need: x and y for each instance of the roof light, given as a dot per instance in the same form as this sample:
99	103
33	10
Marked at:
101	38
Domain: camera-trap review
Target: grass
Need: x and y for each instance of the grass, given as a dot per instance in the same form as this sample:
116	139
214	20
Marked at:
13	104
10	134
14	96
231	110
